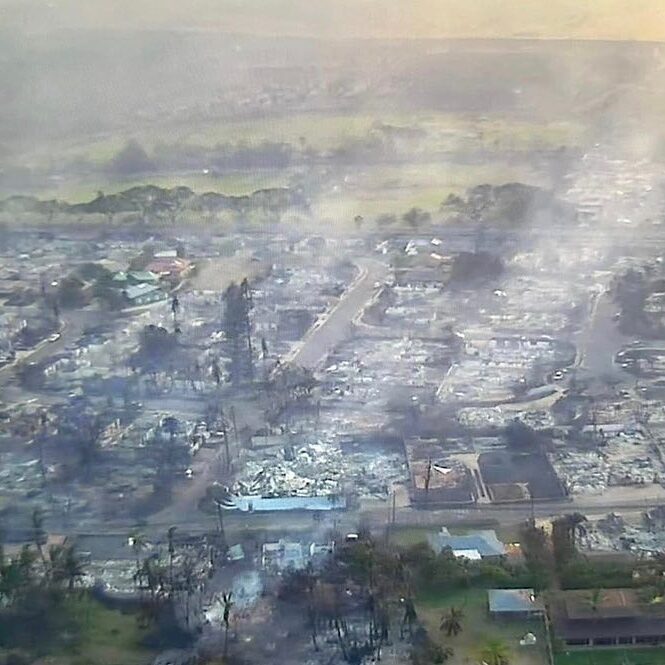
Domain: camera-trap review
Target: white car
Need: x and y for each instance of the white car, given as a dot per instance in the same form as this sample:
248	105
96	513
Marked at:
54	337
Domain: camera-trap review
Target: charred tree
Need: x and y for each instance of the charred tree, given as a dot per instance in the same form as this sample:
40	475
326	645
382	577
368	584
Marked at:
237	327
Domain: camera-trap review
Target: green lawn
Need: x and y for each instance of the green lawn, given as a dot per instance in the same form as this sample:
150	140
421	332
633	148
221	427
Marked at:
380	189
445	131
612	657
410	535
478	627
406	536
106	637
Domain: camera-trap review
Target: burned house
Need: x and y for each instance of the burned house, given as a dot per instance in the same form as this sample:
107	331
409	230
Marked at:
436	478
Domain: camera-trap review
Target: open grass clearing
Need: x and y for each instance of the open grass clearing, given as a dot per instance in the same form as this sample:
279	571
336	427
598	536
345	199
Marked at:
410	536
389	189
441	132
478	627
105	637
612	657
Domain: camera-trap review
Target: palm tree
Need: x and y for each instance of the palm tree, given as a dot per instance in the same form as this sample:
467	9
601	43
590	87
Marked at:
495	652
17	574
227	600
138	543
72	567
38	533
41	436
445	654
227	450
311	582
170	535
451	621
574	522
428	476
65	565
596	599
220	523
216	372
410	617
188	583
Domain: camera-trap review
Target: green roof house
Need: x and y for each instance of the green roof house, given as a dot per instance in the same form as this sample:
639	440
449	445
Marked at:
143	294
142	277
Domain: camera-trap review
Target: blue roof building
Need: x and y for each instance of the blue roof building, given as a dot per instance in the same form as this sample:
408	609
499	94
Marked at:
514	603
259	504
474	545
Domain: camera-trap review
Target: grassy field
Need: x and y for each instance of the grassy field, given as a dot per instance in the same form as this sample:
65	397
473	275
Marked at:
106	638
318	130
377	190
415	535
408	536
324	131
612	657
478	627
370	191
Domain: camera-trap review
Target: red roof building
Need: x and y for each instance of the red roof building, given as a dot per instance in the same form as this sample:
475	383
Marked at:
168	267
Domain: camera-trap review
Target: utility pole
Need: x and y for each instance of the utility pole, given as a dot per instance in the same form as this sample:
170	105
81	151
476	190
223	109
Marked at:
533	508
233	420
225	434
220	518
428	478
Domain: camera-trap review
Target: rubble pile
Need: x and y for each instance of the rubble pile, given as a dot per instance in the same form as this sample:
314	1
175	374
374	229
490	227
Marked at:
318	469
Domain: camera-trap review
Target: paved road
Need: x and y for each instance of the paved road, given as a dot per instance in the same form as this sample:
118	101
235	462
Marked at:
377	517
74	324
208	467
597	344
335	325
332	328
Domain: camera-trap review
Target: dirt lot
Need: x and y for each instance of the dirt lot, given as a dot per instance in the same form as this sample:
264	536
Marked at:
217	274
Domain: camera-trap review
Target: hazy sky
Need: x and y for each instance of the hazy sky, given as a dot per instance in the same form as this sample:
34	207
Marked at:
582	19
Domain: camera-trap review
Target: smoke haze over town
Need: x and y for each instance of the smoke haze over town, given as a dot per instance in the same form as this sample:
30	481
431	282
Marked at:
332	332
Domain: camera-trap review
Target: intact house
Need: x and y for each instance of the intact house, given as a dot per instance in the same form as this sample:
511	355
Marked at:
143	294
474	545
169	268
124	279
607	618
518	604
142	277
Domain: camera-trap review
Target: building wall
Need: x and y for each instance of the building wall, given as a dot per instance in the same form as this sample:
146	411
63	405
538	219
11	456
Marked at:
618	641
